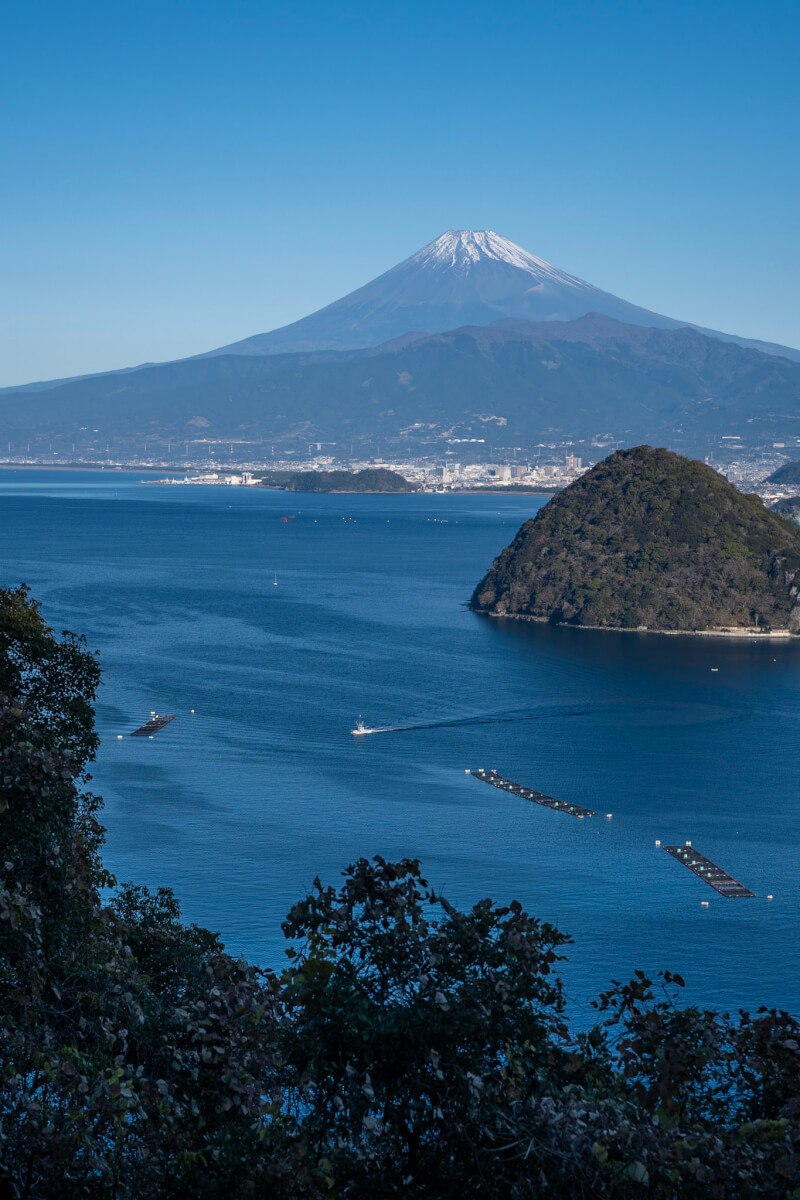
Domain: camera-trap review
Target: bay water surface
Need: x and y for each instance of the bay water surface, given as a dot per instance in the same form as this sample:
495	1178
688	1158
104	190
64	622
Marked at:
239	805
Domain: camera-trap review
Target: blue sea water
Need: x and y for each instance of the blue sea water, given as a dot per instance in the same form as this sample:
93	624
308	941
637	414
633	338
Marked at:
240	804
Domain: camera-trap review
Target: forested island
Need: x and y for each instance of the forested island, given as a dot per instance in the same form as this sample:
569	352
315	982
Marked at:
650	539
371	479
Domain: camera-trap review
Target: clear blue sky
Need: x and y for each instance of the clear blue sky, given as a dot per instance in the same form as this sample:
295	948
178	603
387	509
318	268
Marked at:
181	174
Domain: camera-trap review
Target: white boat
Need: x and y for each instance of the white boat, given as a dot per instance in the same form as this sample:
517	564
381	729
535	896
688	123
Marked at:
361	728
275	581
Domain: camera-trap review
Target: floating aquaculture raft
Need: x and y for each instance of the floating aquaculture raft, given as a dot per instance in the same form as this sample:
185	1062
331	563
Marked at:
517	789
153	725
709	872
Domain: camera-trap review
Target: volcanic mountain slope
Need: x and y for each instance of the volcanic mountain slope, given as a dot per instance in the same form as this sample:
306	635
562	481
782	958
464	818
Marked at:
464	277
649	538
520	380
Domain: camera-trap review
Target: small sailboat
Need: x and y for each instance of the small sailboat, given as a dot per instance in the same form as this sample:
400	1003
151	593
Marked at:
275	581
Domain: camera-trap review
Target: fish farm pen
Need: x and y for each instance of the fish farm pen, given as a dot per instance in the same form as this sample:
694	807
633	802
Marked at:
516	789
709	872
152	726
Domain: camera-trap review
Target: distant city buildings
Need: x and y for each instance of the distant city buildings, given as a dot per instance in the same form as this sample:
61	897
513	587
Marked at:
451	464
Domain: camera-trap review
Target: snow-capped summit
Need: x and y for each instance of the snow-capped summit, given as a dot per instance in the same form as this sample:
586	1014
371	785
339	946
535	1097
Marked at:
463	277
459	249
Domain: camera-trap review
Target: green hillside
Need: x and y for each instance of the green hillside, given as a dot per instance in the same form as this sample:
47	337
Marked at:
788	474
790	507
649	538
371	479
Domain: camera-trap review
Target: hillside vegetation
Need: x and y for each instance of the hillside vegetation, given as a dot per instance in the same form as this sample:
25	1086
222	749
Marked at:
789	473
649	538
790	507
371	479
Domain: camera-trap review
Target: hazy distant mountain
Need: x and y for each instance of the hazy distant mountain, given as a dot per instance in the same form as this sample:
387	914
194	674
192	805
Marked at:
788	474
512	383
464	277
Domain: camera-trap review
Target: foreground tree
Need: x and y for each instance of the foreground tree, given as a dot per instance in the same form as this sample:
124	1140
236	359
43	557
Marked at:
410	1049
428	1054
135	1055
403	1014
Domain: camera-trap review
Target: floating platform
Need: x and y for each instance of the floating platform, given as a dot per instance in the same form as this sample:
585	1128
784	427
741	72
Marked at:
507	785
709	872
153	725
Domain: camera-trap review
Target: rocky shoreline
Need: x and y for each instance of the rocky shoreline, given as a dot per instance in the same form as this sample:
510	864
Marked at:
753	634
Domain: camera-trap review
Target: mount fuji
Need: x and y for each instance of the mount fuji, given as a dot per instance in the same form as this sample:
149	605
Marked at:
472	333
464	277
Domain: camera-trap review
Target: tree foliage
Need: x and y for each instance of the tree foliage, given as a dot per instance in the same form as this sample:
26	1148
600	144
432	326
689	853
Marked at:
789	507
409	1048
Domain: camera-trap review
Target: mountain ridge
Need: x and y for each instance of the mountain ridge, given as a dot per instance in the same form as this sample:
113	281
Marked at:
526	378
463	277
787	473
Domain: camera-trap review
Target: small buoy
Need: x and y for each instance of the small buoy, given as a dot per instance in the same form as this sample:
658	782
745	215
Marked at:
191	710
119	737
688	843
704	904
608	816
152	713
658	841
770	897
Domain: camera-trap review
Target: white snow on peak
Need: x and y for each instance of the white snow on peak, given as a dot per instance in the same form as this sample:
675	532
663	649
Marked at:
460	248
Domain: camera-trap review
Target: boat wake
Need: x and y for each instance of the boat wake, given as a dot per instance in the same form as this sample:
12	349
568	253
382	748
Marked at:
556	711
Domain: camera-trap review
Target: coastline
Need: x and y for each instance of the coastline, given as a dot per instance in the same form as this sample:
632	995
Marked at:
751	634
338	491
8	466
504	491
131	470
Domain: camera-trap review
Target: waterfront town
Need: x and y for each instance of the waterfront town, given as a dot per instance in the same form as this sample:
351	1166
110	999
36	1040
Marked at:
457	465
